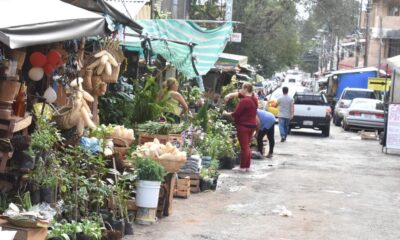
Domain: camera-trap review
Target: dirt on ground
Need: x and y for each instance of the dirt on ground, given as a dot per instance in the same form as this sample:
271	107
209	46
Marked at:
339	187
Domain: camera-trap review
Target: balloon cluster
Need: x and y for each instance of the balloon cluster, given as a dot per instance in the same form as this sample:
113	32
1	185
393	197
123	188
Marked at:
42	64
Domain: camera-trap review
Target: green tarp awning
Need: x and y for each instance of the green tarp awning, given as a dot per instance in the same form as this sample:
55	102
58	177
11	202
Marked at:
209	43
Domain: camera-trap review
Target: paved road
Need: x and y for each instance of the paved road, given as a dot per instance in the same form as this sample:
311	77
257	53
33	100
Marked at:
339	187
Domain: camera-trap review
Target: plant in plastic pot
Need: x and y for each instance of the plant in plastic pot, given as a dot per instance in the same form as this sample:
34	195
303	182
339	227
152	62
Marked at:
90	230
150	174
209	176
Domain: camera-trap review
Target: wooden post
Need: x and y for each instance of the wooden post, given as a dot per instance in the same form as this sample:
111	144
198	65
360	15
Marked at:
95	110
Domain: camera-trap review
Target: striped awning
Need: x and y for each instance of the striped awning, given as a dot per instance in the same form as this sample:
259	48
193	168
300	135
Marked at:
208	44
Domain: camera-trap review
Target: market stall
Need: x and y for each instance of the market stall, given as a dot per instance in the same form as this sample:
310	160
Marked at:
66	155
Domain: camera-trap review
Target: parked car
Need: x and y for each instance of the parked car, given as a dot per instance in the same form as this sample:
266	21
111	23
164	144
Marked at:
345	98
311	110
364	113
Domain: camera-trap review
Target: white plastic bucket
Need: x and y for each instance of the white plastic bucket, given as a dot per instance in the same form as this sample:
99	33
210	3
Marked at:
147	193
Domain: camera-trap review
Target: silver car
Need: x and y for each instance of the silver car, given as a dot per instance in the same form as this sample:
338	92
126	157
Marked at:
364	113
344	100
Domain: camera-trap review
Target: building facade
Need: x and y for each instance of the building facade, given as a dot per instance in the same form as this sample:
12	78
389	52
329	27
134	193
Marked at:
384	31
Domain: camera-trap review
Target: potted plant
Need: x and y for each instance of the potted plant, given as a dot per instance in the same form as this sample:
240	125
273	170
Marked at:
64	230
91	230
209	176
150	174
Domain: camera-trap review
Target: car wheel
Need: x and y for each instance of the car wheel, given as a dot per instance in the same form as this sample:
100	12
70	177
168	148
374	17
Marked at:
337	121
345	126
325	131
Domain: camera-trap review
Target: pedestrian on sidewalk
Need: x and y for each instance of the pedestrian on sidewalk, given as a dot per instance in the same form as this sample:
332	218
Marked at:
286	111
265	126
245	121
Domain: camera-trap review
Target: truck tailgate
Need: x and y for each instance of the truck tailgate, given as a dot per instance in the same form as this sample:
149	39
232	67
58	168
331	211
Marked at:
309	110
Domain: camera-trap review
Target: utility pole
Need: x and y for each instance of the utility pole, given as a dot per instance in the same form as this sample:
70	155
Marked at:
174	9
356	48
369	7
380	43
337	53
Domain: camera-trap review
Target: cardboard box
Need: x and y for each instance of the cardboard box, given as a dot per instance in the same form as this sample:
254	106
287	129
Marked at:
25	233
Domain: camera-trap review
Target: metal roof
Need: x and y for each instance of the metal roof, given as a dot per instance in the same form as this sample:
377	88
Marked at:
356	70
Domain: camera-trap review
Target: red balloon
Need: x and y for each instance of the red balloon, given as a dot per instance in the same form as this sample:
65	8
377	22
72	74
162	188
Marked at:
54	57
38	59
48	68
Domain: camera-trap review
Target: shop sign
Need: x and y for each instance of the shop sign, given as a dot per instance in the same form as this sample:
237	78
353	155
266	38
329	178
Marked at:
236	37
378	84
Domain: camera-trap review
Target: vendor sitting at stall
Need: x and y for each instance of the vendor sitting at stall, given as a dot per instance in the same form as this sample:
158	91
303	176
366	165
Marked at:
176	104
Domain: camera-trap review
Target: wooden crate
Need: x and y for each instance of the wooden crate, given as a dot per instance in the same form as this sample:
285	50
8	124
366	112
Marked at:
182	188
175	139
194	181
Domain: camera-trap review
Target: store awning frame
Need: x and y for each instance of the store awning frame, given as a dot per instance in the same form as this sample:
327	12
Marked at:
111	8
26	23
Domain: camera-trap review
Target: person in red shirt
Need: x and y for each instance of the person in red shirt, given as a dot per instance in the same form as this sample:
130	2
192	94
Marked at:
245	121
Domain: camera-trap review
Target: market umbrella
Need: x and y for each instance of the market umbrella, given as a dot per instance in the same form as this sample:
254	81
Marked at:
25	22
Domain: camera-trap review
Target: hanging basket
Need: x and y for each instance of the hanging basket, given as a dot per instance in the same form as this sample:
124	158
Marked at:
66	118
9	90
113	78
19	56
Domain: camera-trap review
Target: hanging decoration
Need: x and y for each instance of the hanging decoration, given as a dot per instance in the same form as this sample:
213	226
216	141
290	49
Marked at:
38	59
36	73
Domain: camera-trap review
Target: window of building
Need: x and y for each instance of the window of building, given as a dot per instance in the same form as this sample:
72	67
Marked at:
394	10
394	47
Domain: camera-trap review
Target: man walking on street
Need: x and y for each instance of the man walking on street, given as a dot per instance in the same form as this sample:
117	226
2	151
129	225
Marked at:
286	111
265	126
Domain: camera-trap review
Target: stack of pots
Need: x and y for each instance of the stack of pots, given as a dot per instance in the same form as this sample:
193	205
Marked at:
8	91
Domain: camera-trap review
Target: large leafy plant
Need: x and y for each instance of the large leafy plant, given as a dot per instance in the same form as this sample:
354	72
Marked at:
146	103
116	106
148	169
44	137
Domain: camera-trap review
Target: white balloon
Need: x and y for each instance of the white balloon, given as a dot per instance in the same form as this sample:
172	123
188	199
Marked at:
50	95
36	73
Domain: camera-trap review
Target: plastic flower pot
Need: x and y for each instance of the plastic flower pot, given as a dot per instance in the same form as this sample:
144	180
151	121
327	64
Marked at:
118	225
128	228
82	236
35	196
47	194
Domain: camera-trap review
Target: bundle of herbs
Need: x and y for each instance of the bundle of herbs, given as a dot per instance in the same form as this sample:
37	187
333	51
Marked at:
152	127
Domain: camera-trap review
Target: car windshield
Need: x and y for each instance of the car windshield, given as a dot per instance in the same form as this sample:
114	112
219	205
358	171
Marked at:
292	80
350	95
309	99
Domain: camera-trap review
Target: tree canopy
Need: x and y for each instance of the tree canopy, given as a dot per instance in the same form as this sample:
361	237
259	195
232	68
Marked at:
273	37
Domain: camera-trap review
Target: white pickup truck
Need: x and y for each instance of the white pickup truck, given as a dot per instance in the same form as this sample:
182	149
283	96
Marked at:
311	110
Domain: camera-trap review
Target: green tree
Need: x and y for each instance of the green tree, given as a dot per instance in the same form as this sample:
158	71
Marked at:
336	19
269	33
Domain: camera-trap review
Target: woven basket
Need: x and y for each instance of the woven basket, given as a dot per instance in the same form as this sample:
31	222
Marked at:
172	165
9	90
122	151
113	78
65	118
18	56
